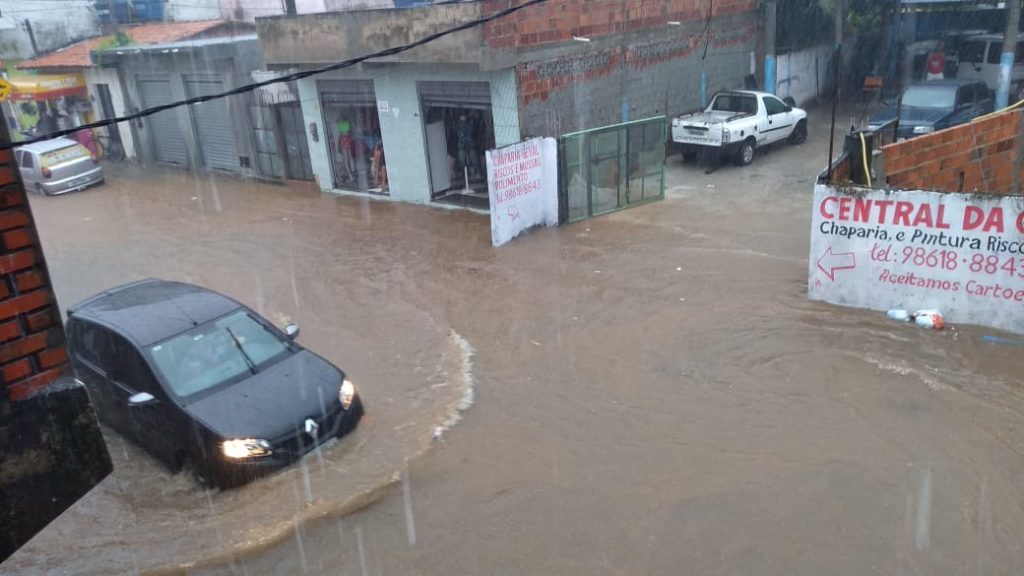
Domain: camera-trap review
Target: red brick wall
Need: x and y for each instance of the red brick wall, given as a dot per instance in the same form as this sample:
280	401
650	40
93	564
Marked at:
32	352
982	156
560	20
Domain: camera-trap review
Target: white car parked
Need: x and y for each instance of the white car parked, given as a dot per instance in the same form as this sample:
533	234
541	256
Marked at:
736	123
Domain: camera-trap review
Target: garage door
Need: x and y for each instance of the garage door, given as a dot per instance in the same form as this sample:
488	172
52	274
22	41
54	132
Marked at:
214	130
164	129
456	94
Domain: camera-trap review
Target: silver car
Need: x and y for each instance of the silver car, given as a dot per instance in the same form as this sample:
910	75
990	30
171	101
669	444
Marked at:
57	166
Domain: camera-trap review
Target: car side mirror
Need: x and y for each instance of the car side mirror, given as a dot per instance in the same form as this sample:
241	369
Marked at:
142	399
292	331
789	108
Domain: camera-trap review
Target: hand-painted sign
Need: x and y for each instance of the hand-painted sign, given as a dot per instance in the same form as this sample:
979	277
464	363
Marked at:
962	254
523	184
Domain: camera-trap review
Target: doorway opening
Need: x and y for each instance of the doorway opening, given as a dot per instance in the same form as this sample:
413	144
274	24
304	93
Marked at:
459	127
353	135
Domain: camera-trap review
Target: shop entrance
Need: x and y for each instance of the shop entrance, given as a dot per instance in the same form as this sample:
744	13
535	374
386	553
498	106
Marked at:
353	135
459	129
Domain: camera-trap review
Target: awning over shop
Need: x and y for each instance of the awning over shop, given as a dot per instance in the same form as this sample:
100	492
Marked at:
47	87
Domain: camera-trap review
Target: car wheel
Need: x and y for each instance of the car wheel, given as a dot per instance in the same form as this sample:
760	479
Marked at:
745	155
799	134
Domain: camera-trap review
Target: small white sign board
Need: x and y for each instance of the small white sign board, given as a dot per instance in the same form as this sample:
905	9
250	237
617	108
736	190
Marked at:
962	254
522	180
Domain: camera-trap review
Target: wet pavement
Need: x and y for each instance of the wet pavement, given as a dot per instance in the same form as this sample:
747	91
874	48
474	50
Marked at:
654	393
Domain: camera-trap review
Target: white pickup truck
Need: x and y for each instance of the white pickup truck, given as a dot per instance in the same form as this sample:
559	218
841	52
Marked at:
736	123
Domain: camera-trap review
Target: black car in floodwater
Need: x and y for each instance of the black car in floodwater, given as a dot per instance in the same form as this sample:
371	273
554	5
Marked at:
205	383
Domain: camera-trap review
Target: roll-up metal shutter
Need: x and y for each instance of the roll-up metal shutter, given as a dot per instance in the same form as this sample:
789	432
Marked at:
164	130
215	132
348	92
456	94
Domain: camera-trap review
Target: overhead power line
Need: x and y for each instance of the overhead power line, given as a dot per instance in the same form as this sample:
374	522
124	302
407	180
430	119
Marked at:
287	78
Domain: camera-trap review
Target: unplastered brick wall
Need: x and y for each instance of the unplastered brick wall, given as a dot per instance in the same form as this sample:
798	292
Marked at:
982	156
560	20
644	75
32	345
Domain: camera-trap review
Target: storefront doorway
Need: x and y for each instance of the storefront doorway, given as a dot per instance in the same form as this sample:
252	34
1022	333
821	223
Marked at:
459	129
353	135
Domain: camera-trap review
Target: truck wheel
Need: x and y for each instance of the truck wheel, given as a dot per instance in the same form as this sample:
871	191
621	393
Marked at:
799	134
745	154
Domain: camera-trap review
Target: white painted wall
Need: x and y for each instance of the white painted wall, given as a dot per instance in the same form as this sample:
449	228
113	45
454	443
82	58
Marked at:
402	126
190	10
52	28
109	76
803	74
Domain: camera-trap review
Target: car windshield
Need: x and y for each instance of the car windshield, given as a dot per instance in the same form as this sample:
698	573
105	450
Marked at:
740	103
216	353
937	97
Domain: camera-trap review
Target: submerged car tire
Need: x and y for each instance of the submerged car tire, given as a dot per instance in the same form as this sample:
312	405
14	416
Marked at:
745	153
196	473
799	134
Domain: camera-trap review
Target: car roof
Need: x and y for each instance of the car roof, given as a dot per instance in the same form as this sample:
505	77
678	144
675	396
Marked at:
48	145
150	311
747	92
947	82
990	37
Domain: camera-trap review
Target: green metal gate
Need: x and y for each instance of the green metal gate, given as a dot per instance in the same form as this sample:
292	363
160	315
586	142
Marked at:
607	169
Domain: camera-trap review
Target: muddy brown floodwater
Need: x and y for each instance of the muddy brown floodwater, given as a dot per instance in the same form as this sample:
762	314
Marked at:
654	393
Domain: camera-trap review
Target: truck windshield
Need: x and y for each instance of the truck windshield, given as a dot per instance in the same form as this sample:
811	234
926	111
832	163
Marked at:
740	103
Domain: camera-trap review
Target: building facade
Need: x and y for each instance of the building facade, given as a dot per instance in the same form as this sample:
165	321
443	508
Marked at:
414	126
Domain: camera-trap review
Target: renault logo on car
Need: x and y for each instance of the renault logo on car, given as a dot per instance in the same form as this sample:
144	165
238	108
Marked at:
312	428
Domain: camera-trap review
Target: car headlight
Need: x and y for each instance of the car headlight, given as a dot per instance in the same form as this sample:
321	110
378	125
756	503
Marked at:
347	393
923	129
725	135
245	448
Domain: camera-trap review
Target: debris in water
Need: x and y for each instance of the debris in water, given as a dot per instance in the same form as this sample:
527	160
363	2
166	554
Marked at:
900	315
929	319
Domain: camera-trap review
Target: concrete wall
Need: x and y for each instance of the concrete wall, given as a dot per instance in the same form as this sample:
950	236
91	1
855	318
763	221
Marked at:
110	77
402	127
982	156
190	10
646	74
52	29
803	74
335	36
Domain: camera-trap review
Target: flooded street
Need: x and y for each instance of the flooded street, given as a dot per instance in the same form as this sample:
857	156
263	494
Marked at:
653	392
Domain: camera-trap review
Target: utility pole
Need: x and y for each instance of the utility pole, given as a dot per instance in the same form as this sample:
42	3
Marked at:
839	23
1006	58
769	46
289	7
115	25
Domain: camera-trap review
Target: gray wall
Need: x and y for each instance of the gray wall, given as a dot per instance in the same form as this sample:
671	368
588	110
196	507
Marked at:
336	36
655	73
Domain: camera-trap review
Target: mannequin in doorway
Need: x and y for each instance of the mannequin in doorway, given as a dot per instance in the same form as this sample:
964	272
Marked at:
346	149
467	156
